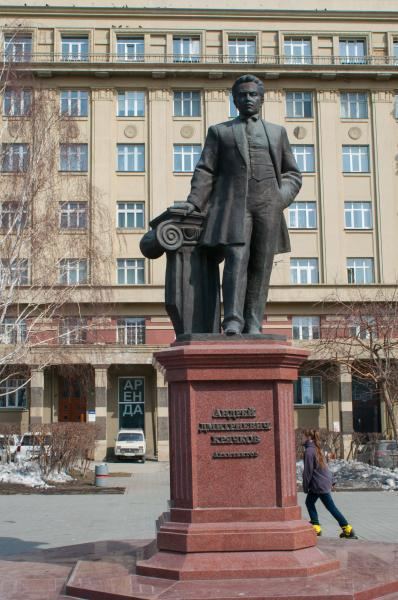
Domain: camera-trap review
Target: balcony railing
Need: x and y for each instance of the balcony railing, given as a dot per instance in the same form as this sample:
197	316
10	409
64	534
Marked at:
207	59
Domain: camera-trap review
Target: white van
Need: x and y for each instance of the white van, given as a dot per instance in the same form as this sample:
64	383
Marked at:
130	443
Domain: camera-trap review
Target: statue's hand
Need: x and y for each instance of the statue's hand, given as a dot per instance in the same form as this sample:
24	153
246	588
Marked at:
187	206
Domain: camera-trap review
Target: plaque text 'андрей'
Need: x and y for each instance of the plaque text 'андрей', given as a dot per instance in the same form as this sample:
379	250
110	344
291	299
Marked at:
234	415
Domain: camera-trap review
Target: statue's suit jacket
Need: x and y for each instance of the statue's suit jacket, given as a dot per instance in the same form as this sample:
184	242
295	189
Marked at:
220	182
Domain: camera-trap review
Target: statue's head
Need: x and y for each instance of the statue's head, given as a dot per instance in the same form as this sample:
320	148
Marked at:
248	94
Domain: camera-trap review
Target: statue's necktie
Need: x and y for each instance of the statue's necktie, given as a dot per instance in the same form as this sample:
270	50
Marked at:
250	128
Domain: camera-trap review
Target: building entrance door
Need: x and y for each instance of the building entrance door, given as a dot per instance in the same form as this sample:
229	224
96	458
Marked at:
72	405
365	406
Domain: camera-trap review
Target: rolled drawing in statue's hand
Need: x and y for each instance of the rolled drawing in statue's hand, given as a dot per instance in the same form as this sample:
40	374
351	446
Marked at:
186	206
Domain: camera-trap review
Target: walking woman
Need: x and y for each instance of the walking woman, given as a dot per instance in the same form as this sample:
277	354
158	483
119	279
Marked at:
318	482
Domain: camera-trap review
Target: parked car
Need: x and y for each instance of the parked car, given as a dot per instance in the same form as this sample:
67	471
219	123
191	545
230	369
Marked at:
8	446
130	443
381	453
31	444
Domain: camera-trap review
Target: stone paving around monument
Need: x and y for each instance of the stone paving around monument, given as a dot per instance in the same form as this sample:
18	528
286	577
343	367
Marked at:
40	522
32	525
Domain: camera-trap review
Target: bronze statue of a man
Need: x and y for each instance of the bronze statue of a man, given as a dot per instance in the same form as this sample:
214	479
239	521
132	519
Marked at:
244	179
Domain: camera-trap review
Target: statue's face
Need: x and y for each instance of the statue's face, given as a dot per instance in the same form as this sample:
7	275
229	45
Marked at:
248	99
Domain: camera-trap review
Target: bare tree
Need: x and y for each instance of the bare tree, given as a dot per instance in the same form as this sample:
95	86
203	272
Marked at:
361	336
40	268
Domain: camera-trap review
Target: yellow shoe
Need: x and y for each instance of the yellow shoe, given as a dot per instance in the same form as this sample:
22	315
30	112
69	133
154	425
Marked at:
317	529
348	532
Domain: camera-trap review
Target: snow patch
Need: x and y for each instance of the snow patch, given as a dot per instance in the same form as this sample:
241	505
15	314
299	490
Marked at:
29	474
358	475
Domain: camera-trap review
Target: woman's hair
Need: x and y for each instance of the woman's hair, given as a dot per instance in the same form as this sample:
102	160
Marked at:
313	434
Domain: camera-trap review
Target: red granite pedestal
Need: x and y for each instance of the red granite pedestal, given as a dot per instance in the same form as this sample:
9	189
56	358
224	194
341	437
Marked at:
233	477
234	512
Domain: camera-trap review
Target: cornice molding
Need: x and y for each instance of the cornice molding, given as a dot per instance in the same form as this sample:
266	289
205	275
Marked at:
383	96
216	95
236	14
273	95
327	95
159	94
103	93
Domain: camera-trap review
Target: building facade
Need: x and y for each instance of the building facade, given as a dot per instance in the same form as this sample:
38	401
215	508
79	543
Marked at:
139	87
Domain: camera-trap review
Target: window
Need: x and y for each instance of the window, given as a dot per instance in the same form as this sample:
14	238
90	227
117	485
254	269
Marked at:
186	49
352	51
130	49
361	327
15	272
186	104
74	48
131	158
131	331
360	270
18	47
130	271
73	330
304	271
233	111
74	103
353	105
242	50
305	158
186	157
358	215
13	393
73	215
302	215
12	331
130	104
13	215
130	215
308	390
305	328
74	157
395	52
355	159
14	157
73	271
299	105
297	51
17	102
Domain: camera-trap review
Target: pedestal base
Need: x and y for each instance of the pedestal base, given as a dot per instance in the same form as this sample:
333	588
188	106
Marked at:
368	570
235	537
236	565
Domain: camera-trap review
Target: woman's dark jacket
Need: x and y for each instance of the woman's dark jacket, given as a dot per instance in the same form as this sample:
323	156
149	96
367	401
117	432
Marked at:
315	478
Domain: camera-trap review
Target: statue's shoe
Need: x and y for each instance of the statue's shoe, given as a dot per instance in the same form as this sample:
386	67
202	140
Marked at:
232	329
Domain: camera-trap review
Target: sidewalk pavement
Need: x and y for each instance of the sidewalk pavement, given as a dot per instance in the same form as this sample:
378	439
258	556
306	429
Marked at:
30	522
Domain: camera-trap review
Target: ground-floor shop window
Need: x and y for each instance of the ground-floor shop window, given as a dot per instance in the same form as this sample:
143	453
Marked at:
308	390
131	392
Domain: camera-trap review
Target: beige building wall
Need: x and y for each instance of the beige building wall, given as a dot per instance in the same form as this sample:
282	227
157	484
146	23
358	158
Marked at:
325	76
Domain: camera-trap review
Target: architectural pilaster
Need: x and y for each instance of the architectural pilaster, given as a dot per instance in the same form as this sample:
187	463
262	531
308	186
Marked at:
160	150
384	183
101	394
345	384
216	106
36	396
328	162
162	413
